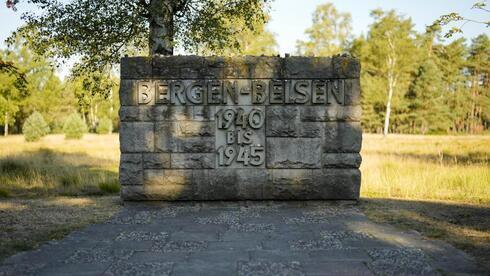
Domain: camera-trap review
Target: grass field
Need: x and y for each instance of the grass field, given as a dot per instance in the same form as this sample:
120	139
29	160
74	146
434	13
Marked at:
437	185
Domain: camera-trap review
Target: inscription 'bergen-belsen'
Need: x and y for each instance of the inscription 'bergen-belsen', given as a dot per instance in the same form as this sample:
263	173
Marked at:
226	92
240	128
242	145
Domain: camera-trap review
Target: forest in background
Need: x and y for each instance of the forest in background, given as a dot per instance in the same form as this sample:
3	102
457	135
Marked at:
413	83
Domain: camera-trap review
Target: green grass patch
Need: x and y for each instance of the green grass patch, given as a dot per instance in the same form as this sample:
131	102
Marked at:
4	193
110	187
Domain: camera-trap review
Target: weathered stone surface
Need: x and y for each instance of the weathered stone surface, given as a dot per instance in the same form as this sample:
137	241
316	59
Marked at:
135	113
352	92
343	137
291	184
285	122
131	169
336	184
293	153
307	67
136	68
157	192
222	128
203	113
193	137
218	183
168	177
344	66
136	137
192	160
156	160
194	129
153	177
128	93
341	160
252	182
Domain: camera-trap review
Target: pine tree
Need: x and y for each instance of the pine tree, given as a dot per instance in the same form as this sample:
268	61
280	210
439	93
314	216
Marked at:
74	127
35	127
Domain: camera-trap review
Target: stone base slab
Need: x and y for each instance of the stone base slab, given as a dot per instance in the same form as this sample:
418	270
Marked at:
246	184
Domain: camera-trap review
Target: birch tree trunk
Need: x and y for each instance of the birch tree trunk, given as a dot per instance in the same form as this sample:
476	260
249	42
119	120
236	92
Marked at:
391	63
161	27
388	108
6	127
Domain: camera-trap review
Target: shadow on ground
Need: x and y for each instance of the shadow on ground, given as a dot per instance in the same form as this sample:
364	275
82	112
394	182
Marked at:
28	222
465	226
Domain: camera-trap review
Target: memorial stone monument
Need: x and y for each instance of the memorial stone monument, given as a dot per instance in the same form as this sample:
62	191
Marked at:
245	128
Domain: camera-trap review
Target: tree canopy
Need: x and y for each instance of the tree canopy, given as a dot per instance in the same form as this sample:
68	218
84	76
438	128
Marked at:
100	32
329	33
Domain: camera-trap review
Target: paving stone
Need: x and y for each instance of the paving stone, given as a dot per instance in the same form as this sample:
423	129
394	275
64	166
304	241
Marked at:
139	269
20	269
334	268
400	262
345	235
97	255
279	255
77	269
321	244
194	236
142	236
184	246
158	257
253	227
235	245
245	238
270	268
338	254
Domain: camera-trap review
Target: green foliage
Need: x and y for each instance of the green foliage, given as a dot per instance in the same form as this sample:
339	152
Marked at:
256	41
110	187
74	127
100	32
453	17
329	33
35	127
104	126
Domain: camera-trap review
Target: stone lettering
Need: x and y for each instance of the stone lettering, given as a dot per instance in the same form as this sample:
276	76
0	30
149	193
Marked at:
244	128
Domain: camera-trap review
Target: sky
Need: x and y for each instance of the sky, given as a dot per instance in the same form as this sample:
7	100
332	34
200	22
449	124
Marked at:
291	17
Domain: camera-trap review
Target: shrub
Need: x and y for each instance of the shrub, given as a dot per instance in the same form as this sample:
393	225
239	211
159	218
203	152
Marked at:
35	127
74	127
104	126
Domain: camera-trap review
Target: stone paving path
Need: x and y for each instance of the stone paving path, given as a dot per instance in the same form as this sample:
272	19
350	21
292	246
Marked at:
240	238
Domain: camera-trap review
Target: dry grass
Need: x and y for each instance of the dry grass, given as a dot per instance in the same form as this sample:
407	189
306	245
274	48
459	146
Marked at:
55	166
454	168
436	185
28	222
